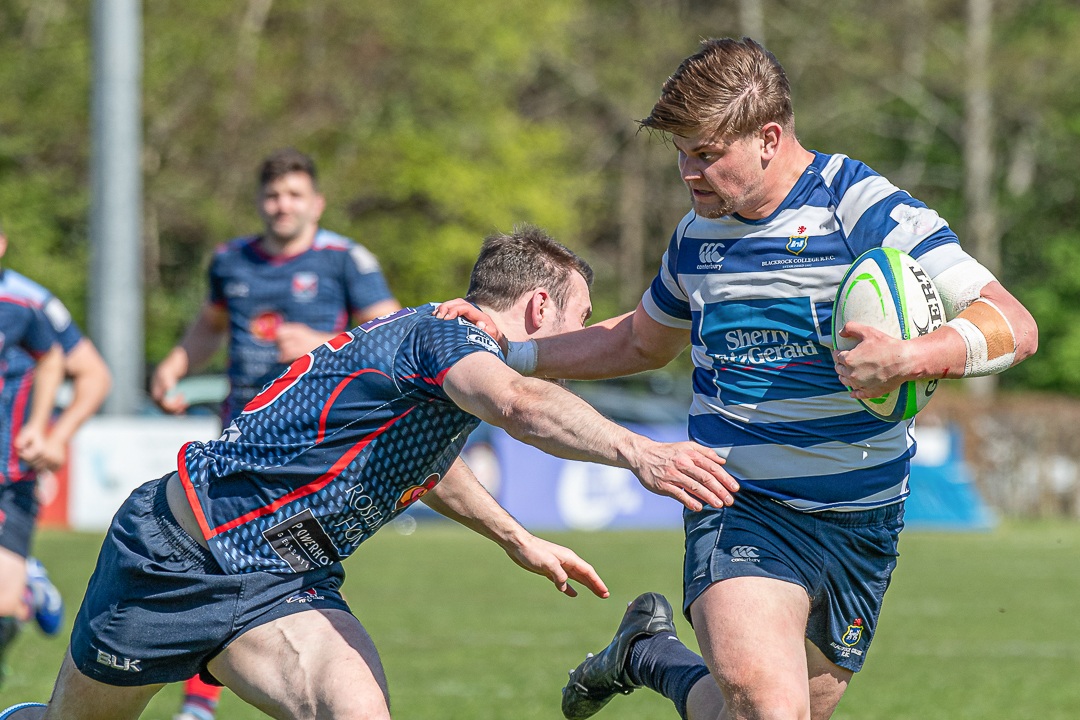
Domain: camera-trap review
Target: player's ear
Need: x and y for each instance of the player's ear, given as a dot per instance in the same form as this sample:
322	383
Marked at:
770	138
540	310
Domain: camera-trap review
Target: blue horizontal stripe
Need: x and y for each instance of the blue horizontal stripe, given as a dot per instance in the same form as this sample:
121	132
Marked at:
875	223
742	384
719	431
944	236
850	172
667	302
840	489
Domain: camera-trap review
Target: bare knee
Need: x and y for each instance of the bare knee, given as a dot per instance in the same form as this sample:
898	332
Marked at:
758	701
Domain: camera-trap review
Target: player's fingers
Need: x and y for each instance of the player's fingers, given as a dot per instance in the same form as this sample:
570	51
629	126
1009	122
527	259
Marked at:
713	467
683	497
583	573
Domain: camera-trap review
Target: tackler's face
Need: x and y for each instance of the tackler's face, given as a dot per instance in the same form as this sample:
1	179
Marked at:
724	176
577	311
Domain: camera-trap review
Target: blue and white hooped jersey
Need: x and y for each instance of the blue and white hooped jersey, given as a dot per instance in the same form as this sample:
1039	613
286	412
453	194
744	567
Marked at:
26	333
347	438
757	297
320	287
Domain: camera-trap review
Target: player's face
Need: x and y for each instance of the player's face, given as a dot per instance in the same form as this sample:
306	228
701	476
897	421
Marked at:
578	308
290	205
723	176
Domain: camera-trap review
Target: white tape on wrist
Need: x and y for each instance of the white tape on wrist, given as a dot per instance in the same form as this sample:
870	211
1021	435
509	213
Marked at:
521	356
991	345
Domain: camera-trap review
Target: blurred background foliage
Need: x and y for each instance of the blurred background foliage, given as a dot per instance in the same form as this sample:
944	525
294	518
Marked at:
436	122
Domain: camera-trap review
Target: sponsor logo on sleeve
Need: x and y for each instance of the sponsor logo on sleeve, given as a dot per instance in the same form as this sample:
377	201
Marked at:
416	492
479	337
305	286
301	542
364	260
917	221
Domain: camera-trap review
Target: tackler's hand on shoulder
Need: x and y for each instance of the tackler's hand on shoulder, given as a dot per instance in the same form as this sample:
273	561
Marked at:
459	307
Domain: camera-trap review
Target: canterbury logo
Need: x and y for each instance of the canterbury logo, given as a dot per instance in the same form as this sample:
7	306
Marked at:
744	551
709	254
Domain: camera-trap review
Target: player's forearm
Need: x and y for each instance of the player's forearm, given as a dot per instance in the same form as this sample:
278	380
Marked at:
560	423
200	342
607	349
461	498
91	384
48	374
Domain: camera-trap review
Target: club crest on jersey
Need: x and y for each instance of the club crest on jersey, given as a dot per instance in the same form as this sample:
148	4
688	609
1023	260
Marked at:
797	242
854	632
305	286
264	326
416	492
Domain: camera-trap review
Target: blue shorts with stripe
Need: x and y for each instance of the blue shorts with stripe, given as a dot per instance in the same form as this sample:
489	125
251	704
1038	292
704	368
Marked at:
844	561
159	607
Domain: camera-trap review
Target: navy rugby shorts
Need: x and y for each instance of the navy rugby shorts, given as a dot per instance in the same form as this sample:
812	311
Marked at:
159	607
18	511
843	560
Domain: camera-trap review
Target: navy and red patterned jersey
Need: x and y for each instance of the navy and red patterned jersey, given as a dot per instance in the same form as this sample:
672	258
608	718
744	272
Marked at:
25	335
347	438
319	287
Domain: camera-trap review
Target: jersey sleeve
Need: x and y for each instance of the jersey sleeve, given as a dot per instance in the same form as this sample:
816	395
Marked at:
439	344
217	280
39	335
67	332
665	301
364	281
876	213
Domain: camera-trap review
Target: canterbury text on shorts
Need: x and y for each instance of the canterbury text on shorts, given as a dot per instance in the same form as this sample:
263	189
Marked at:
18	511
843	560
159	607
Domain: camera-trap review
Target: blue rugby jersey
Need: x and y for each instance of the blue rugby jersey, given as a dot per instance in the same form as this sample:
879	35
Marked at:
25	334
319	287
348	437
757	297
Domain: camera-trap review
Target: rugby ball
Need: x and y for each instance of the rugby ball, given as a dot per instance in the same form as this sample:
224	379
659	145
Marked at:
888	290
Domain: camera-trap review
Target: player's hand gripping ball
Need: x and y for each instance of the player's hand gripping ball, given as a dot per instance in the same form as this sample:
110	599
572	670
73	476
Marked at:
889	291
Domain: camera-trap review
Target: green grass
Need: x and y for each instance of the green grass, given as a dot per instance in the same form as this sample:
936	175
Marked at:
975	626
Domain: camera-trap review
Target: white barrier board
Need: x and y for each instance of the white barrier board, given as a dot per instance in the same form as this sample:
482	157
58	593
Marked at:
111	456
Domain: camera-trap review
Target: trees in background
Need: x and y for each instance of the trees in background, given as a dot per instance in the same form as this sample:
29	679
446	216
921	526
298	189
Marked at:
435	123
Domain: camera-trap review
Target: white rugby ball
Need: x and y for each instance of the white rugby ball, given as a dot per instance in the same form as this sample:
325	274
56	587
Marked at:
888	290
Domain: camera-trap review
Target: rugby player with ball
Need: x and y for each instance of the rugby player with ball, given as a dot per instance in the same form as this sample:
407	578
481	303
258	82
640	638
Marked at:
784	587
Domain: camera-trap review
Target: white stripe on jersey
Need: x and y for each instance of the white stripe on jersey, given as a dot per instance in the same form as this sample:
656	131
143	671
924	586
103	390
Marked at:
885	497
662	317
832	167
943	257
771	411
775	462
860	197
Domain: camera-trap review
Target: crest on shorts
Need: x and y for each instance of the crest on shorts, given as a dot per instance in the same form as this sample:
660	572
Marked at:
797	242
416	492
854	632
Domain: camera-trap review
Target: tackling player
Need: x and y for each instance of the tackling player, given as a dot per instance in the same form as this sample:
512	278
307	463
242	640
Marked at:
784	587
277	296
231	566
27	394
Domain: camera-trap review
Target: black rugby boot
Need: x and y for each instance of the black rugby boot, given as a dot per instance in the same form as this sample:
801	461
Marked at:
601	677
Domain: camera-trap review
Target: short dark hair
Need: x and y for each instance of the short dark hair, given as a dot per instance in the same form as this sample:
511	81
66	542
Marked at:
511	265
285	161
727	89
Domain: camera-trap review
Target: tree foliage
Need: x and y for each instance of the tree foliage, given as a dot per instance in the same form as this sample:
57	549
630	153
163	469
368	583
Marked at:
435	123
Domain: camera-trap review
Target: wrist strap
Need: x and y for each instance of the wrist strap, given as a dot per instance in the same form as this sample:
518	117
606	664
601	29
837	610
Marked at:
521	356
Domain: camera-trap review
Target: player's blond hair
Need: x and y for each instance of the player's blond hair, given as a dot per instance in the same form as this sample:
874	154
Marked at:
727	89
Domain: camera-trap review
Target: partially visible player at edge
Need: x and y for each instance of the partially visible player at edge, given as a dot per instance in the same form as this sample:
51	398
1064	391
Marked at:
31	370
231	566
277	296
784	587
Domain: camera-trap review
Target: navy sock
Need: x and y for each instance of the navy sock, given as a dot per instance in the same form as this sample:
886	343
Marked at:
662	663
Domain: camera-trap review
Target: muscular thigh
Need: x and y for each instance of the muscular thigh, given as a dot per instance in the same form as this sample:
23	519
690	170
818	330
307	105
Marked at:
314	664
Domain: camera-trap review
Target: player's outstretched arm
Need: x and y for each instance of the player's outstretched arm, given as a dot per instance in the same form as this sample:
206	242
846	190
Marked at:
48	374
200	343
986	336
560	423
622	345
461	497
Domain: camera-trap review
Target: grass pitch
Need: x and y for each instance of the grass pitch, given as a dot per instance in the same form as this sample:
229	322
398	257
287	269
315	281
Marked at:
975	626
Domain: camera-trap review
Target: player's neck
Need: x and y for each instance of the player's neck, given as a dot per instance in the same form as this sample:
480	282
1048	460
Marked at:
277	246
782	174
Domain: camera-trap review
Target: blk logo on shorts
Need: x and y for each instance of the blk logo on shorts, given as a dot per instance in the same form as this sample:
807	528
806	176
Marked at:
112	661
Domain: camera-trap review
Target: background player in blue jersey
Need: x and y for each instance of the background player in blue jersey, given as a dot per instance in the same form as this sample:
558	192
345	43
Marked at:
784	587
91	381
276	296
279	294
27	394
231	566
